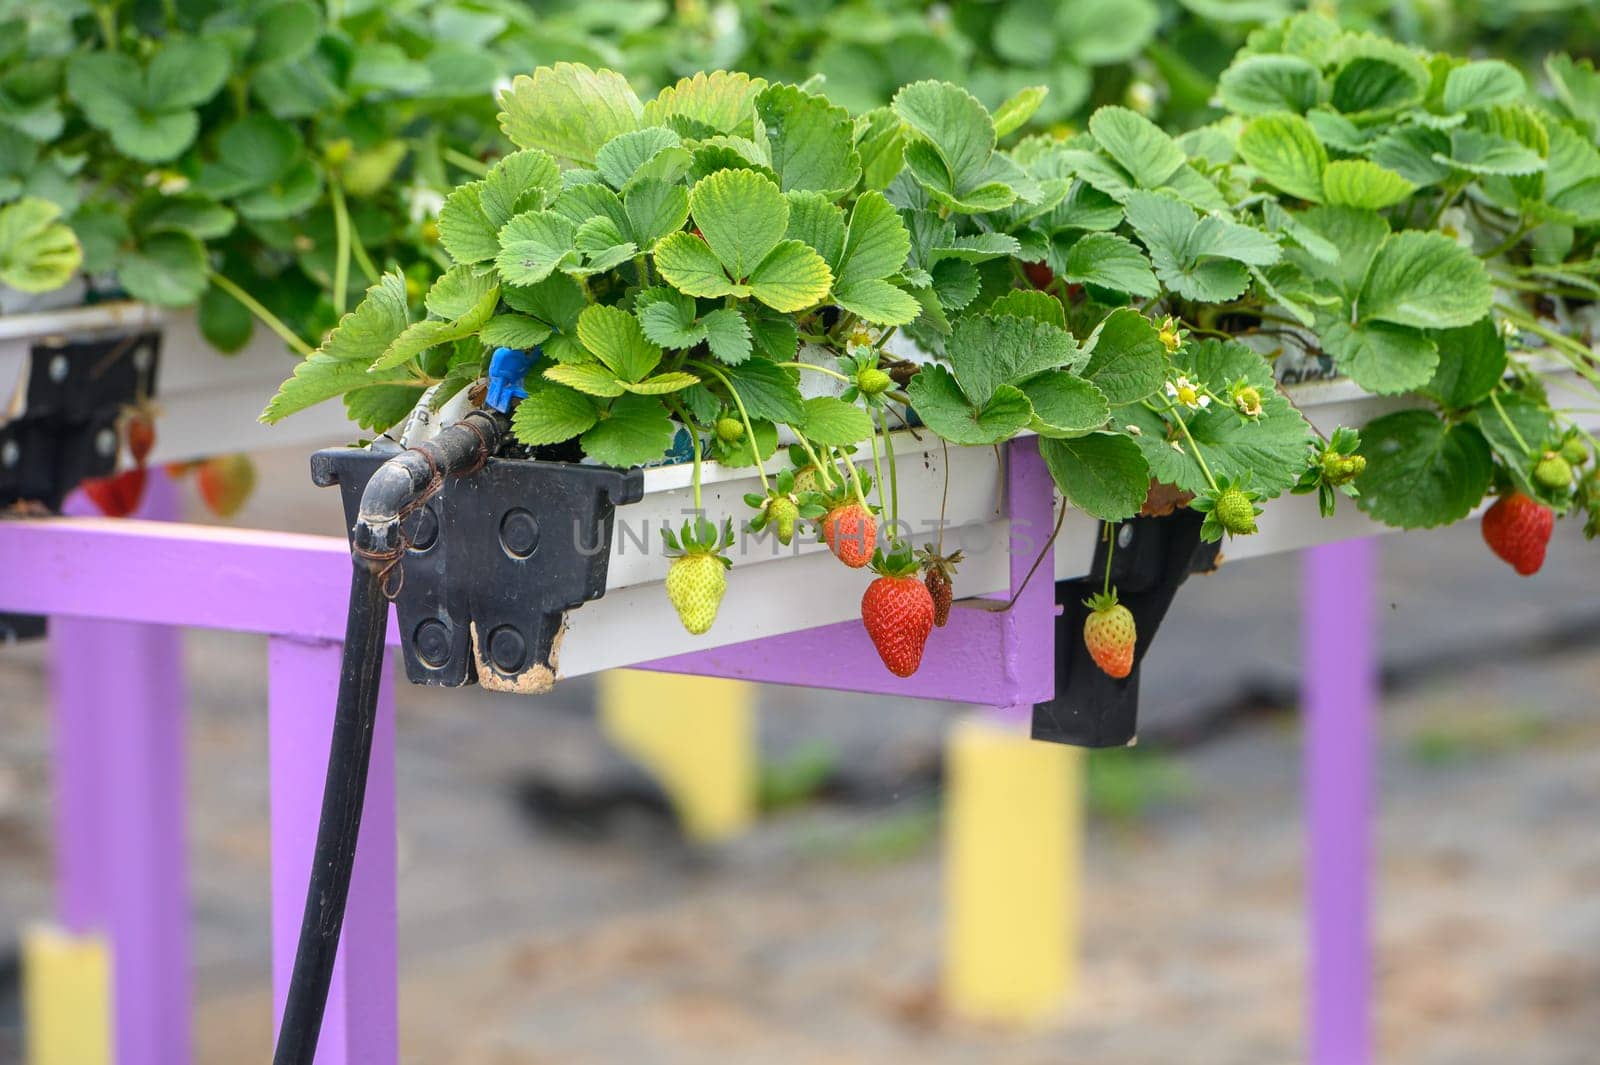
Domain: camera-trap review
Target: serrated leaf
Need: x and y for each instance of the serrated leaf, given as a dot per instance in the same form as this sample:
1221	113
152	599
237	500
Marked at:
615	337
1138	145
533	245
727	335
38	253
463	300
954	159
1262	84
1472	359
1127	360
1018	108
689	265
833	422
1381	358
791	278
568	110
817	221
668	317
622	156
1422	473
459	291
1031	303
635	430
1287	153
528	180
1479	152
514	331
1360	183
987	352
877	301
720	101
768	391
464	228
1199	258
1372	83
876	241
742	215
943	407
1065	404
662	383
1105	475
810	141
590	378
341	362
1425	280
1483	83
381	407
167	269
551	414
655	209
1109	262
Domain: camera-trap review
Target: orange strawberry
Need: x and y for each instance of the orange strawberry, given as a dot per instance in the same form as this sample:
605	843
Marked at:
1109	634
225	482
850	532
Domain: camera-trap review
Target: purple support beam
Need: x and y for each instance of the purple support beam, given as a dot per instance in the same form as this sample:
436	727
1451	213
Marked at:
119	773
361	1023
1340	699
962	658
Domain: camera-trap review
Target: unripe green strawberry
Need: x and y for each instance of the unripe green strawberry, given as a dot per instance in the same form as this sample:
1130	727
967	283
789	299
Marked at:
1236	512
1110	635
873	381
1573	451
807	480
729	430
783	512
1552	472
695	585
1340	469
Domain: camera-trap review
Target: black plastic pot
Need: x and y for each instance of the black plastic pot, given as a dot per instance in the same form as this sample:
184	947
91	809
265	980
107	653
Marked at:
66	431
495	560
1153	557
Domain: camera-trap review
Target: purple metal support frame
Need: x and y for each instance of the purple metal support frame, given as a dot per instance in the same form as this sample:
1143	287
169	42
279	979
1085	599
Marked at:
121	859
1340	699
101	574
362	1019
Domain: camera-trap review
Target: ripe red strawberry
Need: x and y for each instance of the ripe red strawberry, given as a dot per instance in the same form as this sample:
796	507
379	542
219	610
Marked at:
225	482
119	495
1109	634
1039	274
898	611
1518	529
850	532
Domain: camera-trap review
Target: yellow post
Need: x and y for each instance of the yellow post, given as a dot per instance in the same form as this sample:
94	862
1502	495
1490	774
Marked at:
1013	848
697	734
66	997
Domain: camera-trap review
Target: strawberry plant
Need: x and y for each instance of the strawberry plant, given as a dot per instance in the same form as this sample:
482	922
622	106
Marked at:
727	264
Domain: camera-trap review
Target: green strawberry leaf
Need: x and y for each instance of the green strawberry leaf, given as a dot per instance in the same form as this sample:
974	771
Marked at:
616	338
953	157
943	407
742	216
1360	183
1421	472
835	423
1472	359
768	391
727	335
689	265
1262	84
1138	145
792	278
590	378
1287	153
1425	280
1199	258
655	209
1030	303
668	317
1105	475
1108	261
514	331
1127	360
1065	404
381	407
38	253
1483	83
568	110
988	352
816	220
168	269
720	101
620	158
462	299
633	431
533	245
340	364
811	141
551	414
661	384
1382	358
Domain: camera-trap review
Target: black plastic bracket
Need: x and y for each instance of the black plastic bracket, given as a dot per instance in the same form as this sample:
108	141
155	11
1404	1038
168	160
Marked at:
496	559
65	432
1153	557
61	427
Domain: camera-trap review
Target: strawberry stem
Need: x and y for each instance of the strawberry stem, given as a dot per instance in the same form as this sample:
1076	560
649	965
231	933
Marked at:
1515	435
894	482
341	246
877	469
824	472
1111	547
744	416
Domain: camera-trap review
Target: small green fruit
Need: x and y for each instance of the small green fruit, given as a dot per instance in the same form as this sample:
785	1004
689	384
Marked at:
695	584
1340	469
1574	452
1235	512
1553	472
730	430
783	512
873	381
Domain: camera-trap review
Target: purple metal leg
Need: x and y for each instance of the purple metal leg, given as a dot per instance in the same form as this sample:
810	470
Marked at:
121	862
1340	697
361	1024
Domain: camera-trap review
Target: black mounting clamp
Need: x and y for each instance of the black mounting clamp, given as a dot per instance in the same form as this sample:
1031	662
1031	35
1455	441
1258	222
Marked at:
494	560
1153	556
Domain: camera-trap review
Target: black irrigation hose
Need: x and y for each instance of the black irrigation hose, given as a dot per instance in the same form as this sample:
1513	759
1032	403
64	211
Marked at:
397	488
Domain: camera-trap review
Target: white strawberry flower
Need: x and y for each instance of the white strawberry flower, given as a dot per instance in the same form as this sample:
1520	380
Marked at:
1187	393
423	203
